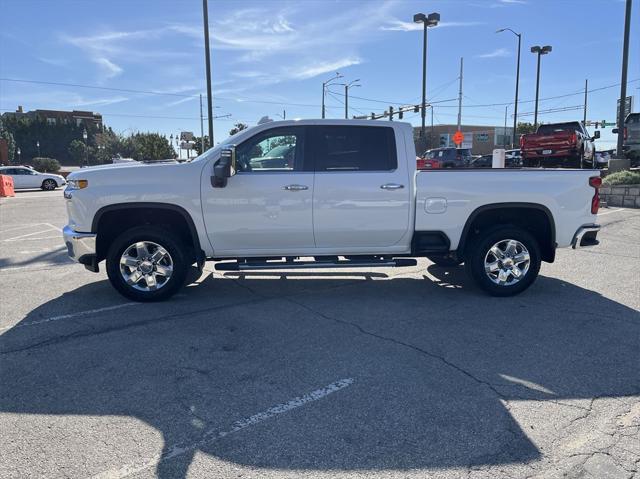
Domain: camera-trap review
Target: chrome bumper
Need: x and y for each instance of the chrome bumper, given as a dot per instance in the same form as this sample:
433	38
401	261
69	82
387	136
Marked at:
585	236
81	247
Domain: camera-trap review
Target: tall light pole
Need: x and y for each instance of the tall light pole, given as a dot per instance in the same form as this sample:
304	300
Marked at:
623	83
427	21
504	135
540	51
515	109
324	89
19	157
207	59
346	95
38	146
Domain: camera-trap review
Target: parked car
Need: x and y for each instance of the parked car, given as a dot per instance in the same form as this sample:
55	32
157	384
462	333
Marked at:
449	157
352	199
26	177
486	161
513	158
427	164
631	144
559	144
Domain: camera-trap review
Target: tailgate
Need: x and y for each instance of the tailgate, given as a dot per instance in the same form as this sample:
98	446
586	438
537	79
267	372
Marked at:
554	141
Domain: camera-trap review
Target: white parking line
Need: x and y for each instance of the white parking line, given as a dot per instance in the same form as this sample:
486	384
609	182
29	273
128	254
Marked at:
214	435
27	225
26	235
70	316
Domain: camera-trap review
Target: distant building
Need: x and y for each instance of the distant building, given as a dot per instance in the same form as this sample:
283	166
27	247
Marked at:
55	117
481	139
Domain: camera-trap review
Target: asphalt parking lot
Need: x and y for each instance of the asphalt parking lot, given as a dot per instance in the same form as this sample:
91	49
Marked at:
407	372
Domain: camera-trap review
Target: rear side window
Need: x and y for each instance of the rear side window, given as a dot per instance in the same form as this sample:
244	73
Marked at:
354	148
633	119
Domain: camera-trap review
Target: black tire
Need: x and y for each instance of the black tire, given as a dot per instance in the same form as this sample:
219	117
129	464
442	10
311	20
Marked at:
178	252
49	185
478	251
444	261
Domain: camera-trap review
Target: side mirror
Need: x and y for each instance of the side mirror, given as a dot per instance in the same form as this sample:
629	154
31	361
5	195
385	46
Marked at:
615	131
596	134
224	168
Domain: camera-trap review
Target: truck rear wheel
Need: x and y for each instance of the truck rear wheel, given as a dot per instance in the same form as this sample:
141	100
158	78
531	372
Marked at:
504	261
147	263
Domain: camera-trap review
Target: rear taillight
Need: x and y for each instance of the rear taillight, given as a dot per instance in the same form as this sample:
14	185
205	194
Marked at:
595	182
574	137
420	163
521	141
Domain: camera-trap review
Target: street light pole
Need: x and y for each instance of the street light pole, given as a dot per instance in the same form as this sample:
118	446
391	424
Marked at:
346	96
540	51
207	57
86	150
427	21
623	82
504	135
515	108
38	146
324	88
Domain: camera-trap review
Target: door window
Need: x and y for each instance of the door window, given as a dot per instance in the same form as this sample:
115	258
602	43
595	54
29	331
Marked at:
280	149
354	148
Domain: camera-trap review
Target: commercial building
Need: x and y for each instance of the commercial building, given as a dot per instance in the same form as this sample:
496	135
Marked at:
54	117
481	139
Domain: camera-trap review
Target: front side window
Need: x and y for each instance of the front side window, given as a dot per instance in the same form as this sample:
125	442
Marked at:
274	150
354	148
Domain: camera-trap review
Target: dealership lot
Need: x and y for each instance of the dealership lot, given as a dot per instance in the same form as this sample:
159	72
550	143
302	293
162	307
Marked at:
407	372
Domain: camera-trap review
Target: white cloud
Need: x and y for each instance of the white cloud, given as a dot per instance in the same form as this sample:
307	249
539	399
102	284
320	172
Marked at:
400	26
109	68
499	52
318	68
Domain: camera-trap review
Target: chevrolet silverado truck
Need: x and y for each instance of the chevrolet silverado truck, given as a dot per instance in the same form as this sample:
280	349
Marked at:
345	194
559	144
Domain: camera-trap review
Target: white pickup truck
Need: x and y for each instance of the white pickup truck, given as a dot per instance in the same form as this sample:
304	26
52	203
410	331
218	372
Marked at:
322	194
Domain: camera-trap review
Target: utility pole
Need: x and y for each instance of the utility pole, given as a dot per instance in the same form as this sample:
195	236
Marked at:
623	82
586	89
460	98
207	56
431	131
201	127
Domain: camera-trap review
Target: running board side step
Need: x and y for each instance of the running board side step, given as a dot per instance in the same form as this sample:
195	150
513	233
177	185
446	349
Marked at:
277	265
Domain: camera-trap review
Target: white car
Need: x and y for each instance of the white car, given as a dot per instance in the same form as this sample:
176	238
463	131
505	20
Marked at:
24	177
347	196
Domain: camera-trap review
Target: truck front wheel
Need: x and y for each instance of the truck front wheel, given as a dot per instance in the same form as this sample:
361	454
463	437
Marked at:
504	261
147	263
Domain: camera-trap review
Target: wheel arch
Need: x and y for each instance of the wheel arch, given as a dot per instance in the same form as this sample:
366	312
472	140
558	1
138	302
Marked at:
541	224
151	213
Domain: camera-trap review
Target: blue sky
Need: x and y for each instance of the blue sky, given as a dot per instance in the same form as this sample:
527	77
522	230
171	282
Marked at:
272	55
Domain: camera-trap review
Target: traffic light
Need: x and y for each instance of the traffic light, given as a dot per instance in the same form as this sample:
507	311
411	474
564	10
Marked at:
416	108
400	114
604	123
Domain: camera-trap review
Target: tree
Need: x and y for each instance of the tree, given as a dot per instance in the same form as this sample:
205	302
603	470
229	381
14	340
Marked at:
46	165
6	135
78	152
524	128
147	147
237	128
198	141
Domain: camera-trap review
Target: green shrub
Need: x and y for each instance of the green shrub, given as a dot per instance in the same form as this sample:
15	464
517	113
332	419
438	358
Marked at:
622	178
46	165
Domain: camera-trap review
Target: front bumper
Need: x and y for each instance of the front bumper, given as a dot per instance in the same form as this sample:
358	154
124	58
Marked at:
586	236
81	247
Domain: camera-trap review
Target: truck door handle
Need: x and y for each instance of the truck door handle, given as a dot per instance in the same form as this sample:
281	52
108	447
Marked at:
391	186
295	187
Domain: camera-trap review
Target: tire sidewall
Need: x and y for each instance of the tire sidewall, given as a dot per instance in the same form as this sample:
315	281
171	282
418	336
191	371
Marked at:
49	182
475	259
156	235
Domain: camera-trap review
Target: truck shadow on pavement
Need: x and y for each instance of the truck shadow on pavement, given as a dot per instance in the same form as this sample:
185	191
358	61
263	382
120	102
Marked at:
433	365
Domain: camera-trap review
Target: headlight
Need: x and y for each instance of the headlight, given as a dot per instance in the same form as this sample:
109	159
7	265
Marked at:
77	184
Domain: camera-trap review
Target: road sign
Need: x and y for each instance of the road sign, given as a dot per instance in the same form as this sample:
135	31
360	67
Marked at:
458	137
186	135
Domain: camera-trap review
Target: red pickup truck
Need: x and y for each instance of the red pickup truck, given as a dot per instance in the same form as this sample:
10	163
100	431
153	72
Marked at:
559	144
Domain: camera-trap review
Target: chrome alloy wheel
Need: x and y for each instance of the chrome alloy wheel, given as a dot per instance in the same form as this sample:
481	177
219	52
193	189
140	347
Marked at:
507	262
146	266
